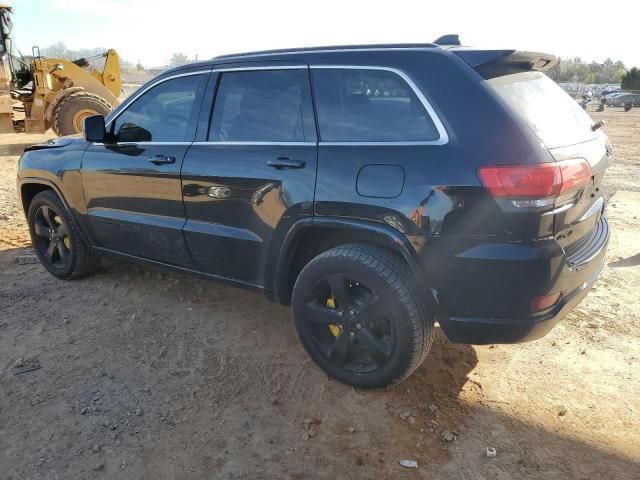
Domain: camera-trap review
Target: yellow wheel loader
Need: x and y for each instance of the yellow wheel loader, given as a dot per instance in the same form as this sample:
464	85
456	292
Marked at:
52	92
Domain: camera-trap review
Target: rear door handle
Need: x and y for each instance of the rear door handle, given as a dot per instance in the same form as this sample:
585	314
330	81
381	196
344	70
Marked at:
282	163
161	159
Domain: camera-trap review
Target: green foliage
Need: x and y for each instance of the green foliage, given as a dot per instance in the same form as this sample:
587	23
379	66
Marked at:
576	70
631	79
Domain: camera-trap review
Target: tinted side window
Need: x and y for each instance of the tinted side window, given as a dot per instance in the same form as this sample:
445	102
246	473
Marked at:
358	105
260	106
161	114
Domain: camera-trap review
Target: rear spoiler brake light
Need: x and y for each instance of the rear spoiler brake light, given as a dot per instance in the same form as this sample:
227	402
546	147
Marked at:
496	63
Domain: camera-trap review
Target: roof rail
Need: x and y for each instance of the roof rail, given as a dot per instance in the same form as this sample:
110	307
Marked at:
289	51
450	39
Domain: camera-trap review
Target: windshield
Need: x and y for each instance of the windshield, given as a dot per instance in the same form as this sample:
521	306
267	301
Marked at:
552	114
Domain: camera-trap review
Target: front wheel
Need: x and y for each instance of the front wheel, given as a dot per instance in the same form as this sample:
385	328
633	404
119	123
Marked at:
359	317
56	239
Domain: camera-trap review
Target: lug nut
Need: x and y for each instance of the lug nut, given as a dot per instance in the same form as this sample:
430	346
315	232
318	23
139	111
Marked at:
358	326
340	313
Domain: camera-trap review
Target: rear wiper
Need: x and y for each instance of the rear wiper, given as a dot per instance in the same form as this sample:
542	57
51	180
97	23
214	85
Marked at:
597	125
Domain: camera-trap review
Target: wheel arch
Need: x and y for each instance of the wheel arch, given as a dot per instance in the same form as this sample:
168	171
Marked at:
309	237
29	187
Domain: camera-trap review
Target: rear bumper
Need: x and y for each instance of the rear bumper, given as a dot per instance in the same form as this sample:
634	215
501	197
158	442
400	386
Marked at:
573	281
482	331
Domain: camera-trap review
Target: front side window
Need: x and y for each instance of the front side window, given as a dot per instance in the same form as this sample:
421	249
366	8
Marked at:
259	106
366	105
161	114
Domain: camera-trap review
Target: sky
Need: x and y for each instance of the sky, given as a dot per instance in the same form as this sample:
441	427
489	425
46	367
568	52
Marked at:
150	31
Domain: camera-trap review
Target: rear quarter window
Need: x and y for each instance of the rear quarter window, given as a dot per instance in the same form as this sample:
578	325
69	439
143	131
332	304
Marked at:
368	105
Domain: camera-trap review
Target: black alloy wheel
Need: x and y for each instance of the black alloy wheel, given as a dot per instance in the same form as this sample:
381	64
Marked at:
56	238
350	324
359	316
52	237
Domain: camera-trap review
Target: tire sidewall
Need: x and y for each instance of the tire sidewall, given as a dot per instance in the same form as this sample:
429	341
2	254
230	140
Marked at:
358	271
51	200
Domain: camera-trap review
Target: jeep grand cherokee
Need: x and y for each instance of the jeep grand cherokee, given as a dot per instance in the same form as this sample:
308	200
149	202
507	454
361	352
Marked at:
377	189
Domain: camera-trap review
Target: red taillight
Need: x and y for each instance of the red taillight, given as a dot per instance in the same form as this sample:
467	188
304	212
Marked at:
537	181
540	303
575	173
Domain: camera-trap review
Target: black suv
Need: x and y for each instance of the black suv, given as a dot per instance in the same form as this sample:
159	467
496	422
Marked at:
378	189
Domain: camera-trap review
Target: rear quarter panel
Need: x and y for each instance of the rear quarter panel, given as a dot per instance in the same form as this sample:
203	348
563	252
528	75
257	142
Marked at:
443	209
442	194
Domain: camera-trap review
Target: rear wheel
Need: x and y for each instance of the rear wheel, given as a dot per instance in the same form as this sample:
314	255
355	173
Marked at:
359	317
69	114
56	239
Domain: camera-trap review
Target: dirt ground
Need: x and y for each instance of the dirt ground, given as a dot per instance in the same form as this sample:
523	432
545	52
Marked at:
145	374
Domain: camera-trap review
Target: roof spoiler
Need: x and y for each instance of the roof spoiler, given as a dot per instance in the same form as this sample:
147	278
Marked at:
496	63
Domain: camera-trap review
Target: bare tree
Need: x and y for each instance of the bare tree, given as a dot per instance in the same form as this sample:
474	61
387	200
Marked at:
60	50
178	59
57	50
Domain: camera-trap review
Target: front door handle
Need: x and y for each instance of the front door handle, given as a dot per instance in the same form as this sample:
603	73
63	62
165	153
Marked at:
282	163
161	159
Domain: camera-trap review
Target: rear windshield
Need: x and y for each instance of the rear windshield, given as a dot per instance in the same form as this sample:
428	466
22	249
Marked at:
552	114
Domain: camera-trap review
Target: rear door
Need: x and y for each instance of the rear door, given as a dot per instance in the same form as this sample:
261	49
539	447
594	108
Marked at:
132	183
252	172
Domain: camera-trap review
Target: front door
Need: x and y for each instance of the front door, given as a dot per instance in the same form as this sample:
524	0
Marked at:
132	181
253	173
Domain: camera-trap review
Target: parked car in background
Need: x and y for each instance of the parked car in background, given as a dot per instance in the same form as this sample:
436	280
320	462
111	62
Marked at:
612	95
376	189
623	98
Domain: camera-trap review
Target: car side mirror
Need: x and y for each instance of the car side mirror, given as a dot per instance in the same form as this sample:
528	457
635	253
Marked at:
94	129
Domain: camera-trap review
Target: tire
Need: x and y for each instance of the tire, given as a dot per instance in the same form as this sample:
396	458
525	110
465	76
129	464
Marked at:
72	109
388	319
63	253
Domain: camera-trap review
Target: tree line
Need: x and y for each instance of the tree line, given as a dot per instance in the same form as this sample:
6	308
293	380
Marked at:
573	70
60	50
576	70
631	79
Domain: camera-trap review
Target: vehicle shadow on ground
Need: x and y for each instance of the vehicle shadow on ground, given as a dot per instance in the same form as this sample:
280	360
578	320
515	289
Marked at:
224	389
626	262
